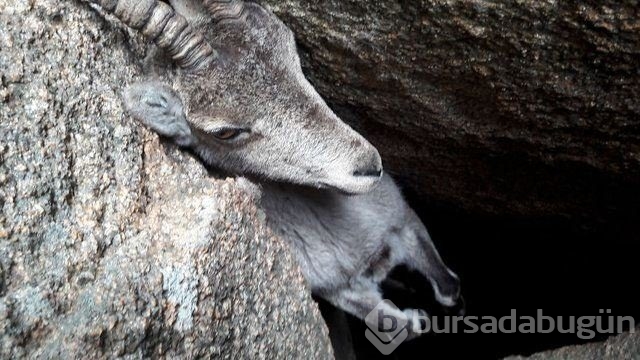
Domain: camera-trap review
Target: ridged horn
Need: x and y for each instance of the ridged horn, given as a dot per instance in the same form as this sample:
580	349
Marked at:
225	9
160	23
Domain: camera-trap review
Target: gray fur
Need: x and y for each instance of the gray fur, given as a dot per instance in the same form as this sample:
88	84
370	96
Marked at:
321	185
347	245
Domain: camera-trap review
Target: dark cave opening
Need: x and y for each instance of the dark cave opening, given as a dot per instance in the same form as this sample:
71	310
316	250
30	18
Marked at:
563	267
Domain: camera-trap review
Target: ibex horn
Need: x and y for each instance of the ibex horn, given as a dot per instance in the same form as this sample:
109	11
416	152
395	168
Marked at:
224	9
170	31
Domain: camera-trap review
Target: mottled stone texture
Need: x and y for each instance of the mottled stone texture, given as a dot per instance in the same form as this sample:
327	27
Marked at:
621	347
502	107
112	243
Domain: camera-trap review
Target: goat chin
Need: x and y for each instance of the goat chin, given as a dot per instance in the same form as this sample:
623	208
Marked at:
353	188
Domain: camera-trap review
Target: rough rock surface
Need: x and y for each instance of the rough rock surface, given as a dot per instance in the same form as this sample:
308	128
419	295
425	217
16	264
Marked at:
501	107
621	347
112	243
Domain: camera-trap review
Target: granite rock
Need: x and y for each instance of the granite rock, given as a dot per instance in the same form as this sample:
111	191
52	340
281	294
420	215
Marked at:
114	243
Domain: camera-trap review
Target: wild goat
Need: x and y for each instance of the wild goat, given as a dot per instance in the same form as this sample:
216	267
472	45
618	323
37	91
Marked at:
241	101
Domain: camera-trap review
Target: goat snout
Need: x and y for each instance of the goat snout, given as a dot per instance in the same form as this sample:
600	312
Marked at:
358	174
447	289
368	165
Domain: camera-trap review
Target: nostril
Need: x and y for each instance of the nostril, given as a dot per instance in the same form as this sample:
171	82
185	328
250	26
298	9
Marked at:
367	164
368	172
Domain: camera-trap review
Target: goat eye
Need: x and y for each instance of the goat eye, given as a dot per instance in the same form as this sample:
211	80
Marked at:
227	134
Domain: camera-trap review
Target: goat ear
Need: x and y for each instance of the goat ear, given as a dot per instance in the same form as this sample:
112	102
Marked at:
159	107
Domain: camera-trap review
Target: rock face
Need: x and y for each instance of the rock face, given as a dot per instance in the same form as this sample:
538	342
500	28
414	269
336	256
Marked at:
111	242
512	108
621	347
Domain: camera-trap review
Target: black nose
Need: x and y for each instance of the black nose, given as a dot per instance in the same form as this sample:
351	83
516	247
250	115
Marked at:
376	172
